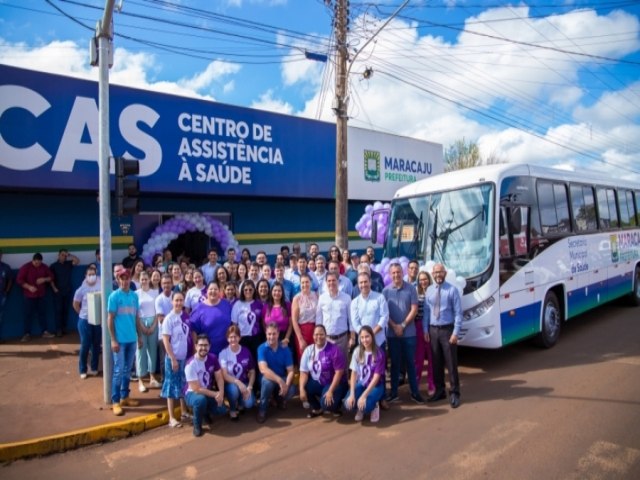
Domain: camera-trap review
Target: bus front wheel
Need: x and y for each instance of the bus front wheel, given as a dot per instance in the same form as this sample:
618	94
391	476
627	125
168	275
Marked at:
551	322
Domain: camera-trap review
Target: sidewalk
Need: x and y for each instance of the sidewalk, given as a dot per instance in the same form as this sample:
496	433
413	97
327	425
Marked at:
46	407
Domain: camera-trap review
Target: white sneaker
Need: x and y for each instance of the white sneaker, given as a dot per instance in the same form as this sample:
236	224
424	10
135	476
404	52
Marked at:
142	388
359	416
25	338
155	384
83	376
375	414
173	423
46	334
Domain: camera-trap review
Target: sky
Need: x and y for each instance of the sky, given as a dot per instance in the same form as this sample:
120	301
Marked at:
546	82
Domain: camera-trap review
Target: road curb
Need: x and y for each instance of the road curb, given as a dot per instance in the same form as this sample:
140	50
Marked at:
10	452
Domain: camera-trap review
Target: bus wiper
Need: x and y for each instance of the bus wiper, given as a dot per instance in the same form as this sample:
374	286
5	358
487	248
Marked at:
444	235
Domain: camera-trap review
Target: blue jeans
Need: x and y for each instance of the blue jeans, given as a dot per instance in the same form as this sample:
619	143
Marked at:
232	392
402	350
90	341
61	304
31	306
375	395
201	405
122	364
147	356
315	394
268	389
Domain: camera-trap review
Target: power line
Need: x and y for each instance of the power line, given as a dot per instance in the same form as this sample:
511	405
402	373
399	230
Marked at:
504	122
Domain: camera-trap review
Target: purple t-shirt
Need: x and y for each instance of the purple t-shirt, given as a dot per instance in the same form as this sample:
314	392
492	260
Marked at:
202	371
321	365
248	317
369	367
214	322
237	364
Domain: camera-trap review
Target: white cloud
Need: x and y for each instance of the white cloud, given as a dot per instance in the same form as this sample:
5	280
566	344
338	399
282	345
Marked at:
138	70
305	71
566	96
612	108
267	102
214	72
56	57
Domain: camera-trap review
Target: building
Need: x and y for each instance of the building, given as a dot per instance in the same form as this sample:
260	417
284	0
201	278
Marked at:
270	178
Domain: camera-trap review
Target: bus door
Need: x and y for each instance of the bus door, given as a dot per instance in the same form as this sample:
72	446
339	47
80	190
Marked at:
520	313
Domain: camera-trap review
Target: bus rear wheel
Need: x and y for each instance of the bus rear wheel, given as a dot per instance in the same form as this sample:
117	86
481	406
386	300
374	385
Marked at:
551	322
634	296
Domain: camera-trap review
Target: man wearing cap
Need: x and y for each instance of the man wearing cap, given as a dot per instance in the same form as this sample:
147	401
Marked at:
122	310
33	278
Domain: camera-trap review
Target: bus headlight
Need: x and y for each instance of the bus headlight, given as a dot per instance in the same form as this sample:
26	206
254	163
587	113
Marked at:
478	310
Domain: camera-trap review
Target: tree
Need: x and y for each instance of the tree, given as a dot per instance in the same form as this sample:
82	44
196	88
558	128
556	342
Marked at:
462	154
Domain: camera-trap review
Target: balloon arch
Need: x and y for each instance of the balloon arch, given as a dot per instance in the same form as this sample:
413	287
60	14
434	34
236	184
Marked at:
164	234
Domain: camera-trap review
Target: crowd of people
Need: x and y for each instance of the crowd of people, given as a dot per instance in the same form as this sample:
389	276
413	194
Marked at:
242	328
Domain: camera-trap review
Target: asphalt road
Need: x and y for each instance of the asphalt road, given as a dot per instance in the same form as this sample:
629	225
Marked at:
571	412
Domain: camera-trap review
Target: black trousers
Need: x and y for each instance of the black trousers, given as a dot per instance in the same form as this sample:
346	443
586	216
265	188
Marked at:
444	354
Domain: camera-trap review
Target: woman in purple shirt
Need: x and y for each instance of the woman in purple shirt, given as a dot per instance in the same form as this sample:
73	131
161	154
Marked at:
247	314
213	317
322	380
367	369
239	372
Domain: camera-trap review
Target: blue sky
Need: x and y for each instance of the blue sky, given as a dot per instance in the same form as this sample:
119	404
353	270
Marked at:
547	82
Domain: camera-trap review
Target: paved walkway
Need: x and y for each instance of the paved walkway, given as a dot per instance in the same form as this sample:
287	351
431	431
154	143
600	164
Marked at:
43	396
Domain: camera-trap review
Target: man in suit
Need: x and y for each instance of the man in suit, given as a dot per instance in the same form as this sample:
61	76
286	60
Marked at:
445	320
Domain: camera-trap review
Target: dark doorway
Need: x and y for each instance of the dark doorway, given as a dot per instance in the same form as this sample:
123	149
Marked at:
193	245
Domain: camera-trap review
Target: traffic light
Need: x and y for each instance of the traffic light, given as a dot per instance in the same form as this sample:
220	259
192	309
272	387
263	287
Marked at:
127	189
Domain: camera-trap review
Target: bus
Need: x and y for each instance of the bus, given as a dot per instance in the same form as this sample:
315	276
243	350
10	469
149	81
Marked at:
537	246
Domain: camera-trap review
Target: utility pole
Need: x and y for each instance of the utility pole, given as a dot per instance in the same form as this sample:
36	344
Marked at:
103	38
340	109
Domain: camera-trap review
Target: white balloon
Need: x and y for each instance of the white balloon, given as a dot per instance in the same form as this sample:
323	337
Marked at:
451	277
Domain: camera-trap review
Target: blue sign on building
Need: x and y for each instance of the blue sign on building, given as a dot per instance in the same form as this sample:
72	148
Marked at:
49	140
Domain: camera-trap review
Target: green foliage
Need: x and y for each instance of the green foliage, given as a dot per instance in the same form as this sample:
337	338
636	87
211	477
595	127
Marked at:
465	154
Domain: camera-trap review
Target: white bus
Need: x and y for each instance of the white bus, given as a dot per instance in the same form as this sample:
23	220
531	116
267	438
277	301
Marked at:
536	246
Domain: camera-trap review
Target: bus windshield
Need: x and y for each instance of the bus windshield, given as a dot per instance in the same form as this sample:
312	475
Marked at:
453	227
